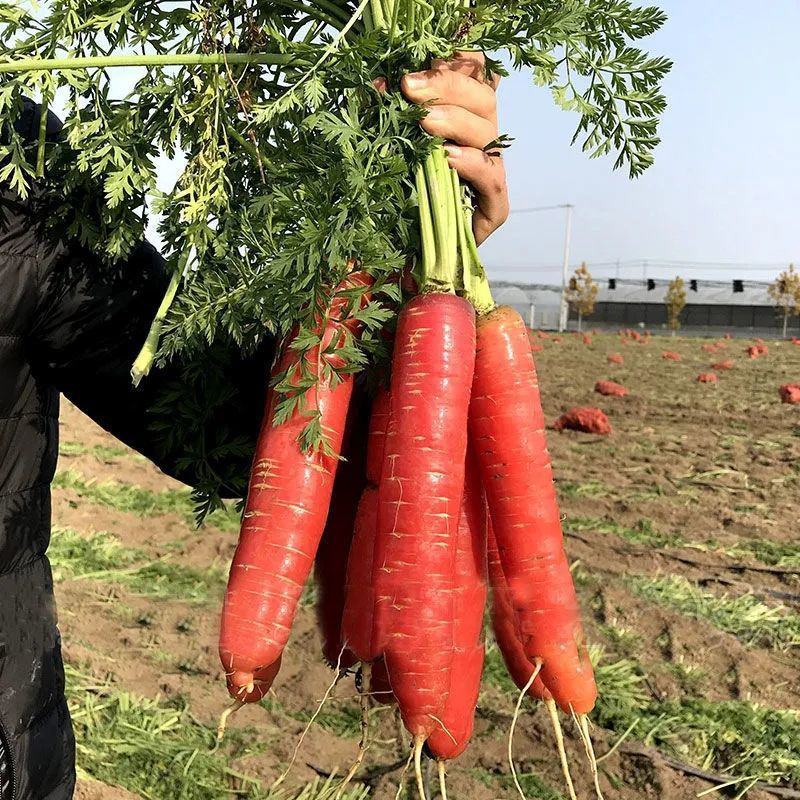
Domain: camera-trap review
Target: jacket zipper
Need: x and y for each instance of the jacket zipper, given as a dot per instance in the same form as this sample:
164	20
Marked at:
5	747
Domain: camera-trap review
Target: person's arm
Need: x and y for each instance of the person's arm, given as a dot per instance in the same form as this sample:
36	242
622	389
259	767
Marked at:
90	323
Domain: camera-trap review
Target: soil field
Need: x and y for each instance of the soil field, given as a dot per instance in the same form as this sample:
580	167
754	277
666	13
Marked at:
682	527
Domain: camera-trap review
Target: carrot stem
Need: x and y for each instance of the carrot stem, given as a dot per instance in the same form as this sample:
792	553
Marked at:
146	358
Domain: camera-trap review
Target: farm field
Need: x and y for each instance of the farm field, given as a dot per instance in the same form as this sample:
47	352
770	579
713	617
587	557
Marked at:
682	530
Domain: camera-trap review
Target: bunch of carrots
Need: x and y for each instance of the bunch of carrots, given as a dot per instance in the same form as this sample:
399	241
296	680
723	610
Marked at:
437	490
434	491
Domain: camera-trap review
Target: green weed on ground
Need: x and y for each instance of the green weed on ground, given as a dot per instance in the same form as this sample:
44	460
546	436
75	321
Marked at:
102	557
532	784
160	751
644	532
731	737
136	500
99	451
749	619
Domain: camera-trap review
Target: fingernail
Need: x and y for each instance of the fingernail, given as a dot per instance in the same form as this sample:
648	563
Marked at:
415	80
436	113
453	150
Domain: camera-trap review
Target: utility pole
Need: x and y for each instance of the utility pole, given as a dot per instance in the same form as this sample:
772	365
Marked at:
564	315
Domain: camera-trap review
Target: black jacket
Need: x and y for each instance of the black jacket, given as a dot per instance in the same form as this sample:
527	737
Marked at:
68	324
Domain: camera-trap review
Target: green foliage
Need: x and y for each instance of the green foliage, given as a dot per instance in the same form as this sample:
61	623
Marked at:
746	617
295	165
291	168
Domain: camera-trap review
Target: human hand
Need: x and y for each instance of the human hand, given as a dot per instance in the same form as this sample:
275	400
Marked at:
463	111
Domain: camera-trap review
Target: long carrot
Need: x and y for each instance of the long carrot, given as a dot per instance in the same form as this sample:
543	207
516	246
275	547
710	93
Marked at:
506	628
421	488
508	430
287	505
451	738
330	565
359	600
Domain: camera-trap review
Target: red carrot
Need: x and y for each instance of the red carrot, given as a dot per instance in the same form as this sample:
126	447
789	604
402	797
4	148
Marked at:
422	484
451	738
287	505
506	628
610	389
508	430
357	617
330	565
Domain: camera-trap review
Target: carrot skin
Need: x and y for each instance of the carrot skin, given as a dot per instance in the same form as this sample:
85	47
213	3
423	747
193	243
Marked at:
357	617
262	683
421	488
287	505
508	430
330	565
506	628
359	597
450	739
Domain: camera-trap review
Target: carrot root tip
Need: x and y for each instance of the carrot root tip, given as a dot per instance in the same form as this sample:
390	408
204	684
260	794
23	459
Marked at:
362	681
552	710
223	719
328	692
442	780
419	742
582	723
517	709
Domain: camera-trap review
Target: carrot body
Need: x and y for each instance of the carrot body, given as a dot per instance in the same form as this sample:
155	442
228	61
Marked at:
330	565
286	509
508	431
421	487
357	618
358	612
450	739
506	628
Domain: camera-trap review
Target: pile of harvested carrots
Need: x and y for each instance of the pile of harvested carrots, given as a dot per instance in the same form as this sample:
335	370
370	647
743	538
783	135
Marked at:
444	490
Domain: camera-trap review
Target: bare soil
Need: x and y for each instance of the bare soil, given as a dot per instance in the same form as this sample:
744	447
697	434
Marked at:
701	461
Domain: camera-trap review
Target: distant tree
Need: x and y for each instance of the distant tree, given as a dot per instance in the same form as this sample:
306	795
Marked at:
582	293
786	294
675	302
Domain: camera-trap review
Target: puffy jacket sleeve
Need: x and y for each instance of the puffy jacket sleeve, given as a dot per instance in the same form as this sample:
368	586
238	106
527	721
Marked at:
197	422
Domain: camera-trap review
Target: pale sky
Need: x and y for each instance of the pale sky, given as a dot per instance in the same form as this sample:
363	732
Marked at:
726	183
